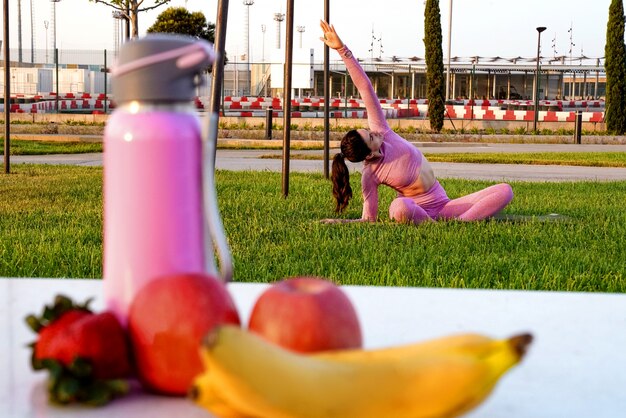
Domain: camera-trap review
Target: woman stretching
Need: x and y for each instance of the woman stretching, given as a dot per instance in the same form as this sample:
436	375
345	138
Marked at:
391	160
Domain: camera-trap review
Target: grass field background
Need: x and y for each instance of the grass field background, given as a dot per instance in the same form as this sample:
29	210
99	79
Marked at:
21	147
51	226
594	159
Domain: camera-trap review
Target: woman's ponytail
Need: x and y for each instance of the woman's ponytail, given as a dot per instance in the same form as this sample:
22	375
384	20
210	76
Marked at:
340	176
355	150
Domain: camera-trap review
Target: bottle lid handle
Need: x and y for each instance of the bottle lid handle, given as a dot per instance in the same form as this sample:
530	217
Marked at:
214	229
188	56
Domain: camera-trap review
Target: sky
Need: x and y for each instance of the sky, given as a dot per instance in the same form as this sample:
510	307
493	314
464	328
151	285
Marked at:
487	28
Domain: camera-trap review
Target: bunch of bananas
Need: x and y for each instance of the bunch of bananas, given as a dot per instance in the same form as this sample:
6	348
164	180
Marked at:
248	377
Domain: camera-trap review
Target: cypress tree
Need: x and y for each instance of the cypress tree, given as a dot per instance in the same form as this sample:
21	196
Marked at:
615	67
435	90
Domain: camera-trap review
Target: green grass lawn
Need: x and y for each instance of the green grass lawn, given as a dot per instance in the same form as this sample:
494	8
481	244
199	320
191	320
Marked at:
590	159
594	159
51	223
20	147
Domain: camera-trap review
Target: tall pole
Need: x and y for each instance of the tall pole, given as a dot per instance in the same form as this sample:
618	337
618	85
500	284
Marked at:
278	17
117	15
218	64
571	49
300	30
54	24
45	24
236	93
56	78
287	97
32	32
7	91
326	97
536	116
106	99
248	3
595	87
449	51
19	31
265	78
263	29
128	21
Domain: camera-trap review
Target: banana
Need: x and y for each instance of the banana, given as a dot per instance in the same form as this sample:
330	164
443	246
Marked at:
459	343
439	378
206	393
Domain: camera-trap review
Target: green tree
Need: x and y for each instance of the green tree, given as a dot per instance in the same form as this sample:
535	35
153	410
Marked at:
435	90
180	20
615	66
130	9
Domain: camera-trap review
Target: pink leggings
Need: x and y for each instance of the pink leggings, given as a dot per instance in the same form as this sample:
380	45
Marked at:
435	204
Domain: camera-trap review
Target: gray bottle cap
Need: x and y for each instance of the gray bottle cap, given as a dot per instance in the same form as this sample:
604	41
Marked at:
160	68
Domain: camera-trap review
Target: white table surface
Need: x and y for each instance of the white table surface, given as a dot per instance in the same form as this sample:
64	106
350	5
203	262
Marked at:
576	366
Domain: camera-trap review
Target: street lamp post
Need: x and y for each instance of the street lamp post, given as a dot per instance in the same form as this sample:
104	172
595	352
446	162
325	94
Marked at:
117	35
54	24
32	33
300	30
536	107
248	3
56	54
45	24
19	30
449	52
263	29
278	17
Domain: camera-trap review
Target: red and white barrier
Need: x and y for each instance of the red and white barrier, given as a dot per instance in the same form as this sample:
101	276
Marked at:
340	108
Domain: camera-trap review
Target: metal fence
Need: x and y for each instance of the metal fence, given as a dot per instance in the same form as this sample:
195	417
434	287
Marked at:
44	71
45	80
41	72
83	71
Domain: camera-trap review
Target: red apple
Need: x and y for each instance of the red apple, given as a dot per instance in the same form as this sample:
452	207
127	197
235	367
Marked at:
306	314
167	320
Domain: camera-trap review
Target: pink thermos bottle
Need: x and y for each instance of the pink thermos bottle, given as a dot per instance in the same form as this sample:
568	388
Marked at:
160	208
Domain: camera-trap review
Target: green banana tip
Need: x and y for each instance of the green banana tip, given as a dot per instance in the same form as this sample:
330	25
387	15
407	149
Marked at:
211	337
194	393
520	343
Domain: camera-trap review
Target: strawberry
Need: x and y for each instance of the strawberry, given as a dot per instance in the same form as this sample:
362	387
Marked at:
98	338
87	354
54	318
48	333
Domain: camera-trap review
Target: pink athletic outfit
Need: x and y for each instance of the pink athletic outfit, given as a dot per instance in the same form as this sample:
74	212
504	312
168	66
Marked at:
400	165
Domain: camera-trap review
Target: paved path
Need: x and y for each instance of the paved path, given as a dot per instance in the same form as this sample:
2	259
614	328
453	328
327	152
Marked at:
249	160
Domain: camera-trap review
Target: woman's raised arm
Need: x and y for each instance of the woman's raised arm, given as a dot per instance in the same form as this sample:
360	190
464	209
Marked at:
375	115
